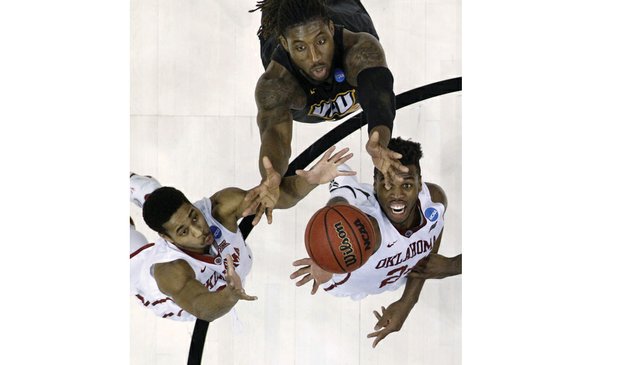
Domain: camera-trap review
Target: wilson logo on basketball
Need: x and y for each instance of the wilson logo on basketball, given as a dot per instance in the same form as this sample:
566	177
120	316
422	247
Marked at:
345	245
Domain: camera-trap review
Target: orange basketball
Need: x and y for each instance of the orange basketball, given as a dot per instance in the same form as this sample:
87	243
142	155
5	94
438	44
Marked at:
340	238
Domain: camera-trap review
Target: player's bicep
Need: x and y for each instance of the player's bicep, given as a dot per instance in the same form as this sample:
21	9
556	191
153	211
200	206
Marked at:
177	280
173	277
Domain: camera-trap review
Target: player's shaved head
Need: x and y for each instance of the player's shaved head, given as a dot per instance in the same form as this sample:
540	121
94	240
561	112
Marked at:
160	206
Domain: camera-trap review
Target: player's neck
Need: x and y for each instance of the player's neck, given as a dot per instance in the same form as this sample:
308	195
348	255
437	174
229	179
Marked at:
412	224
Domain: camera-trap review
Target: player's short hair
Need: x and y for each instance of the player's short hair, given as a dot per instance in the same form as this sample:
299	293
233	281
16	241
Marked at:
411	152
160	206
279	15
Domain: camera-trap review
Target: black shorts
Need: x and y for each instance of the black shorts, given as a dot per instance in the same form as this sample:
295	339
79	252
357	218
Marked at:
351	14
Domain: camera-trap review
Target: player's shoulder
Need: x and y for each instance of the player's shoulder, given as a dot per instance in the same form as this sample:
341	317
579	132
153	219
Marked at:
352	39
362	51
276	87
438	195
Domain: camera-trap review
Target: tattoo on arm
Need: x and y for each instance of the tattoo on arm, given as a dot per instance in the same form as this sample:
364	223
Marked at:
365	54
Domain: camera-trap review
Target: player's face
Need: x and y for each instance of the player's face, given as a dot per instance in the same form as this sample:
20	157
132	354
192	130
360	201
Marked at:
311	47
188	229
399	203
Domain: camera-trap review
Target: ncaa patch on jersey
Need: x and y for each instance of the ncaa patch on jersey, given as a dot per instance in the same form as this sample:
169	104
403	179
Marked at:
339	75
431	214
217	233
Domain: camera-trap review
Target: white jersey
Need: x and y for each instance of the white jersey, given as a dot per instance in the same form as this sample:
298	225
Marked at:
209	268
388	267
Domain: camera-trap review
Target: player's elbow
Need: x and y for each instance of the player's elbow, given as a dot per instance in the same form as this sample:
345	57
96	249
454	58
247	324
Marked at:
210	315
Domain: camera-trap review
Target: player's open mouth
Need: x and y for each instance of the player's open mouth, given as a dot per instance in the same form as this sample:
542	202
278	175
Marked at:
319	72
397	208
208	239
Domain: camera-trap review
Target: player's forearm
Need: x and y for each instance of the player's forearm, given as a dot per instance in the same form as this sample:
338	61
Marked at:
212	306
278	152
411	294
292	190
376	96
454	265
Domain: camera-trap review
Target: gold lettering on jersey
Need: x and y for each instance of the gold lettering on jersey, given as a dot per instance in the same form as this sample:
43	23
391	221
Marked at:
345	245
341	105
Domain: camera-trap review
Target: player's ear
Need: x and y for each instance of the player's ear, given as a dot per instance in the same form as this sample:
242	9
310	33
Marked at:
283	42
331	27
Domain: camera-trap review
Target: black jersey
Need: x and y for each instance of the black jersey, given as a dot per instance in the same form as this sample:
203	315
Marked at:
334	98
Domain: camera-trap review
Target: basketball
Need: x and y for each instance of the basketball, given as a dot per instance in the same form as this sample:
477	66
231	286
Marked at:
340	238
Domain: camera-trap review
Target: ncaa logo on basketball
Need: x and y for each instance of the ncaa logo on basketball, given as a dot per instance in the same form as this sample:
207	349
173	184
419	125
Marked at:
431	214
217	233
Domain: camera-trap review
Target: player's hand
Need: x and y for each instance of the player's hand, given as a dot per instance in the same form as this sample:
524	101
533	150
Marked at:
385	160
326	169
233	281
264	197
312	272
436	266
390	320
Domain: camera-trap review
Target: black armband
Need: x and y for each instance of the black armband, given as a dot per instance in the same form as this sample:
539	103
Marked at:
375	88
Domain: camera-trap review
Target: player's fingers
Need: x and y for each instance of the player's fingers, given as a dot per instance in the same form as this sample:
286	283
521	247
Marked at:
301	173
267	164
304	280
380	337
383	322
300	272
269	213
387	182
347	173
315	287
374	137
252	194
377	315
327	154
304	261
339	154
259	213
394	155
245	296
344	159
230	268
251	209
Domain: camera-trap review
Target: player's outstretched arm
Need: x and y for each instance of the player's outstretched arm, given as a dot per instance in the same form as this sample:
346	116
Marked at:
275	95
295	188
310	271
367	69
436	266
177	280
393	317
